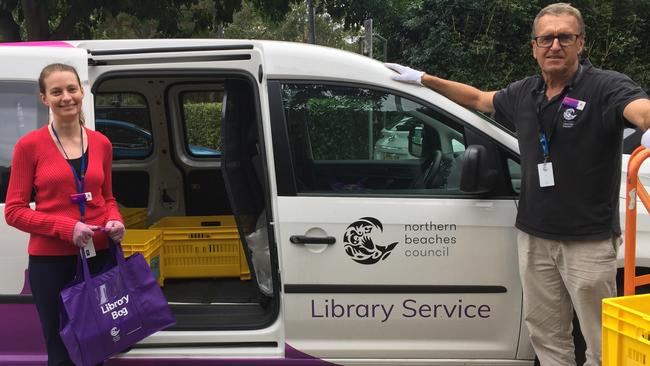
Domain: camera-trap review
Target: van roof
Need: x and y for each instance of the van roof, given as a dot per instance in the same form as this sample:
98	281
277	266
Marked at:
282	60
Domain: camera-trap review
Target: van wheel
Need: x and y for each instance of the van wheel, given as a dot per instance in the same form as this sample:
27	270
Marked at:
578	341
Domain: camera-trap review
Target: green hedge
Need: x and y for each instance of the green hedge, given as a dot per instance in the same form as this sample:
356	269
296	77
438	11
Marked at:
203	124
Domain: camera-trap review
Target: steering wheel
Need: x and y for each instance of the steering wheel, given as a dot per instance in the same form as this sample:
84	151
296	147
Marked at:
425	179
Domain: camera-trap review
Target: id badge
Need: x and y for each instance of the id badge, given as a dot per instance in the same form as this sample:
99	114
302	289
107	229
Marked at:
89	249
546	174
81	197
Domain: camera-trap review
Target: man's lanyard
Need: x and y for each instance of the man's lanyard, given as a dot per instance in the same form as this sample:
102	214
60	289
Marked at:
78	181
545	138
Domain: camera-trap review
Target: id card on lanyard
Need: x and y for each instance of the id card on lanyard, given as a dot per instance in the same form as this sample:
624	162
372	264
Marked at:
81	197
545	169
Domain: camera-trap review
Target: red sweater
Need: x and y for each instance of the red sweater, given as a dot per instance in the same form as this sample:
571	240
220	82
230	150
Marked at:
37	163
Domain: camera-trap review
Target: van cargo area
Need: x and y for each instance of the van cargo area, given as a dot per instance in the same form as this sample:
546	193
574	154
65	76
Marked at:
166	128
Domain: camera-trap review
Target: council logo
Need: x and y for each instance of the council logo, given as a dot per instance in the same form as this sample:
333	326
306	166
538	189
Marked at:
115	333
359	244
570	114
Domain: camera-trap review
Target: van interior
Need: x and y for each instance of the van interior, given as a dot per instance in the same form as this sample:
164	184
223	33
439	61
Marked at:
188	146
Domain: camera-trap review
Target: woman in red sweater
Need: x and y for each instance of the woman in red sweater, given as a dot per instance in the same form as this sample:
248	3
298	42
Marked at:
58	162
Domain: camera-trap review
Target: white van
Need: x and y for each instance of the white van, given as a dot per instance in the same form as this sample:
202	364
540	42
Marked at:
351	183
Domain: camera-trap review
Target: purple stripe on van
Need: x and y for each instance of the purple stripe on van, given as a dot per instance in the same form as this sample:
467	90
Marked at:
293	358
292	353
22	345
215	361
38	44
21	335
23	360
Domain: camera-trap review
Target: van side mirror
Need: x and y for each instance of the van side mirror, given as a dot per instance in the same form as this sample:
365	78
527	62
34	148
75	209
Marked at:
476	175
415	140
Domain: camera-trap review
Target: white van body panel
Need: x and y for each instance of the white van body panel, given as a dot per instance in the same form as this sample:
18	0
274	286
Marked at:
484	233
270	334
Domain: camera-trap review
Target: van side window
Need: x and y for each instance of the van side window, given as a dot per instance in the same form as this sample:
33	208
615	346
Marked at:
351	140
20	113
124	119
201	111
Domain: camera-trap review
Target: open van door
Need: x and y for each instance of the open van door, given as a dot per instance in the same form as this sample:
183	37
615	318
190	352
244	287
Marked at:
171	95
21	112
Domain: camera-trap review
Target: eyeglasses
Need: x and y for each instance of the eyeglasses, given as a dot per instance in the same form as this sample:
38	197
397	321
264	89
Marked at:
564	38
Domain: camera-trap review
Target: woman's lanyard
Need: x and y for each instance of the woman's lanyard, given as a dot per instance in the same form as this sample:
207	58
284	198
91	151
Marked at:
81	197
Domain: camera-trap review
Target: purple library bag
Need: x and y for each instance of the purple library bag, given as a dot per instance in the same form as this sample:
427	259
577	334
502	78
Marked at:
106	314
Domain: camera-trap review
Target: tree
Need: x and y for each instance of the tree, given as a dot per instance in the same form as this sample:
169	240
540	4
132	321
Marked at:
9	29
486	43
78	19
69	19
618	36
249	23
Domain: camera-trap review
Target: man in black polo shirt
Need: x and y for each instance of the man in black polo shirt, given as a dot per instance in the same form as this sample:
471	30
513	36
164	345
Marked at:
569	123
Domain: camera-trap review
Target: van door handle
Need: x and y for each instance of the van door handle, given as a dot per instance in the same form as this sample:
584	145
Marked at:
485	204
303	239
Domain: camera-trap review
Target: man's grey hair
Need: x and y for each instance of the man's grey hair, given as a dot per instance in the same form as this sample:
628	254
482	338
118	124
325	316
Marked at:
559	9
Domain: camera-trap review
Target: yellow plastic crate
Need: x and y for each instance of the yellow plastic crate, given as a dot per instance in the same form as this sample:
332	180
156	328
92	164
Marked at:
202	247
149	243
134	217
626	331
193	222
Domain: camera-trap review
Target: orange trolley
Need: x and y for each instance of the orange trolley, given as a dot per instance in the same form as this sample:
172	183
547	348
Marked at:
634	190
626	319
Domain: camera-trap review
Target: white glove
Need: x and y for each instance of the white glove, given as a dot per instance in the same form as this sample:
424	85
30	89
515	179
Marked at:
645	139
405	74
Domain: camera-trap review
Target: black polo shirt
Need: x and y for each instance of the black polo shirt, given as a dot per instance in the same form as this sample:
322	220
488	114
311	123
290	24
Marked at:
584	124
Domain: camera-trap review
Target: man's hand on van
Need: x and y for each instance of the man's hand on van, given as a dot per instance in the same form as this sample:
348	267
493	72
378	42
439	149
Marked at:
115	230
82	233
406	74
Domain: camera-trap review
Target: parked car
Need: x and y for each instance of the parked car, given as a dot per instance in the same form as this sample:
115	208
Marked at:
133	142
394	141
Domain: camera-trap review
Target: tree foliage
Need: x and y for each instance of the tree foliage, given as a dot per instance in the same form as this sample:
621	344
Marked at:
82	19
202	126
486	43
75	19
250	23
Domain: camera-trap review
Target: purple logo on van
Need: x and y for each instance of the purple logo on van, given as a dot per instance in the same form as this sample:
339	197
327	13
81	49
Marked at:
359	244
